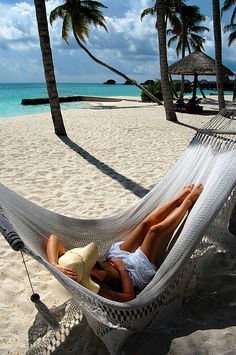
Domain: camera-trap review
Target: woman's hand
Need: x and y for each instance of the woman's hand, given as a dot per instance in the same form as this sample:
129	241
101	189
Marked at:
127	293
67	271
118	264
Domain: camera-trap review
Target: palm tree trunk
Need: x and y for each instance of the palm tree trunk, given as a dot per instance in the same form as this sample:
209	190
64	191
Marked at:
218	52
48	67
165	83
152	97
184	42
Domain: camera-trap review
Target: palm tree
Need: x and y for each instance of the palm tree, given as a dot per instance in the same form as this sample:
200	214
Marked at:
218	52
231	27
166	86
185	32
49	68
171	7
191	17
79	15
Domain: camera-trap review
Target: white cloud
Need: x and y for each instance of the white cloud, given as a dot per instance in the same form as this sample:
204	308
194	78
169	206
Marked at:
17	24
128	37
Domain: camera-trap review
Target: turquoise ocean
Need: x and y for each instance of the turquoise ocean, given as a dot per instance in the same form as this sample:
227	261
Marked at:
12	94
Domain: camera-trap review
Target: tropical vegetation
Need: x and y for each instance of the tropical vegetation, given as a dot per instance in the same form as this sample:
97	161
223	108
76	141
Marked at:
186	32
185	28
193	41
153	86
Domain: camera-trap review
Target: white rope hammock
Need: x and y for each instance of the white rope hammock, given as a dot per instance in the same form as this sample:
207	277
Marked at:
211	159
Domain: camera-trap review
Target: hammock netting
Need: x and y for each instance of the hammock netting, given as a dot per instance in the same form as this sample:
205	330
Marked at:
210	158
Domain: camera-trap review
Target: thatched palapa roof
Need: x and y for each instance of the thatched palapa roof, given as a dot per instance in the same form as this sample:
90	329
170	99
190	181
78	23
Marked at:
197	63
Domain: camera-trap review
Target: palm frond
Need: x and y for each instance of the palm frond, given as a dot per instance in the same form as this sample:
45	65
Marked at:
196	42
90	11
170	32
233	16
58	12
175	23
172	40
81	28
227	5
196	38
198	29
94	16
179	47
232	38
148	11
93	4
230	27
66	27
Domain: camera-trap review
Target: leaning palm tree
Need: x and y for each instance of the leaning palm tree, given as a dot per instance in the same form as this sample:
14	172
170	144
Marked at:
166	86
48	67
231	27
79	15
218	52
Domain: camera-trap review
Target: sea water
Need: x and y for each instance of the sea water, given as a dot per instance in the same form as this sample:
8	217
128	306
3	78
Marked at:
11	95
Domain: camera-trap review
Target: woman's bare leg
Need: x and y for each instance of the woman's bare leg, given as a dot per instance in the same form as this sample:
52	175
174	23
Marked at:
136	237
157	239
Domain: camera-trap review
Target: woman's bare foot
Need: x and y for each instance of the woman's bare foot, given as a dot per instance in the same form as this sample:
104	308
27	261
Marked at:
186	190
194	194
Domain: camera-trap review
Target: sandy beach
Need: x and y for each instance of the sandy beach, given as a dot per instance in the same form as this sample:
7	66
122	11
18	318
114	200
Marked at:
138	147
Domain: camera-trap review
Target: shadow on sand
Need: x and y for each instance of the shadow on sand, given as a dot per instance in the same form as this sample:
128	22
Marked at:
127	183
111	107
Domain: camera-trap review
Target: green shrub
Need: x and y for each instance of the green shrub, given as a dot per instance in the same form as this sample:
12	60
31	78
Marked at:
154	88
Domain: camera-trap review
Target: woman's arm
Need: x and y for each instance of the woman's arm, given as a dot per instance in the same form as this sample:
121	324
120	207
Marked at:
127	293
55	249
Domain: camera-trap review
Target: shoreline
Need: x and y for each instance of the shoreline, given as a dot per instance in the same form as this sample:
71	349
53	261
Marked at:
87	99
95	100
137	144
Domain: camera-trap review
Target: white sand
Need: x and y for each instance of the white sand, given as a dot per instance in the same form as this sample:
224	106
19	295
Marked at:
130	137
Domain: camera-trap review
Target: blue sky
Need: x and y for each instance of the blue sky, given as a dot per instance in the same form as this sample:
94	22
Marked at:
130	45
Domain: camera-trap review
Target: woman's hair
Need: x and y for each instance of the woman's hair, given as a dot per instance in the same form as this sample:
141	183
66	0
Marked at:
112	278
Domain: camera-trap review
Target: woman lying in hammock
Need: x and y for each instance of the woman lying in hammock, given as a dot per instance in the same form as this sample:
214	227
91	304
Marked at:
130	264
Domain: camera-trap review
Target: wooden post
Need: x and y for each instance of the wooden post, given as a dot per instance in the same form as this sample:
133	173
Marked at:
195	86
202	92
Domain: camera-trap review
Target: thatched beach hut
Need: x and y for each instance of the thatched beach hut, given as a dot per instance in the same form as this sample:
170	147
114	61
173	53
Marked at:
197	63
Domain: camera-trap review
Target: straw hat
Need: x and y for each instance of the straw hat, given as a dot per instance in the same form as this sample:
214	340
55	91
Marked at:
82	260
